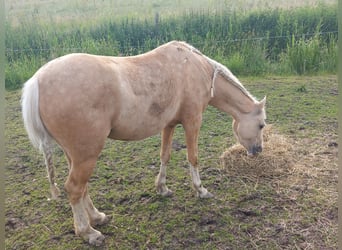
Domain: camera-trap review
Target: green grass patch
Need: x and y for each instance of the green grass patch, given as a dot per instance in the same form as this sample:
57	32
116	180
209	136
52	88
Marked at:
281	213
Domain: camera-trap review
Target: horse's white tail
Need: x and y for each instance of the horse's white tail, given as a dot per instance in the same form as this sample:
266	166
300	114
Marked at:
36	130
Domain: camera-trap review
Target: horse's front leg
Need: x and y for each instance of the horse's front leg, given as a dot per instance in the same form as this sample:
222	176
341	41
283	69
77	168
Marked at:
191	133
165	154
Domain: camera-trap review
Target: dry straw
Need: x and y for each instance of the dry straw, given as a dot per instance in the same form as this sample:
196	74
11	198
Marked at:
277	158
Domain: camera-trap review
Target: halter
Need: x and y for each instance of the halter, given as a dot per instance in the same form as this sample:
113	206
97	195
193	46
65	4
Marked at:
212	88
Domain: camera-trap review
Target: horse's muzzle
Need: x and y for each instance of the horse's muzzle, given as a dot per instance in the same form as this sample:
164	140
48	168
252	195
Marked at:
255	150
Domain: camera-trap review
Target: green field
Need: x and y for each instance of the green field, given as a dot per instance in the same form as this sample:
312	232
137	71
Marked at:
251	38
294	210
18	11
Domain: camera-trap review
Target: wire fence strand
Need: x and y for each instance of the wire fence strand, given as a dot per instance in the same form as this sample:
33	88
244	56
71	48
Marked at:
198	44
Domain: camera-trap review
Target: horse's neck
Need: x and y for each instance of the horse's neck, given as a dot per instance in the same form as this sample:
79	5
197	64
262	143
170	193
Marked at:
230	98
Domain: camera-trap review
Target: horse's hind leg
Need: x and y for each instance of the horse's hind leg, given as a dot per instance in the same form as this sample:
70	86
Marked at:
95	217
165	154
76	187
47	152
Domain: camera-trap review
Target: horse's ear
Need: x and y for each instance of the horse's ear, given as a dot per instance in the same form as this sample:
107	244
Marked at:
262	103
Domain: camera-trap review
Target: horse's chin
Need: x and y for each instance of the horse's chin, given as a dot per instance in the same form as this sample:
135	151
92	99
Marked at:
251	154
254	151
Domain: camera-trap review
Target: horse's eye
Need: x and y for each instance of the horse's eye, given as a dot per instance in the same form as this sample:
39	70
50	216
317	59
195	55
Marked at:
261	126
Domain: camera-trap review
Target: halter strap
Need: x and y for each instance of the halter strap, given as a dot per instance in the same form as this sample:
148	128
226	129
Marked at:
212	88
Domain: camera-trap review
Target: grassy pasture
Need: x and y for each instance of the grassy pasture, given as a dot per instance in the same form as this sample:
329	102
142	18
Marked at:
297	210
18	11
250	37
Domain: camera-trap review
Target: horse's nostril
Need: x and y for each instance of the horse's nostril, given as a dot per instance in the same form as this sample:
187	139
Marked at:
257	149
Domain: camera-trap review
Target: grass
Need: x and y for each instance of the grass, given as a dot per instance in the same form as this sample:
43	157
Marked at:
18	12
273	40
287	212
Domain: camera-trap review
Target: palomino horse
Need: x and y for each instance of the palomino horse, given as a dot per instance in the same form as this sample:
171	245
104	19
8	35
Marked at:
79	100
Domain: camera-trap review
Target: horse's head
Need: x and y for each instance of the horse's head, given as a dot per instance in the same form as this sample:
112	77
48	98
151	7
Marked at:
248	128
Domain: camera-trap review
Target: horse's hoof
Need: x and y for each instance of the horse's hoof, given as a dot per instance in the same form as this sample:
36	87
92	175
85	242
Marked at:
165	193
168	193
96	239
103	219
205	195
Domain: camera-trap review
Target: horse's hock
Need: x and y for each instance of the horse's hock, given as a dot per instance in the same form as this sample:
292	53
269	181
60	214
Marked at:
277	158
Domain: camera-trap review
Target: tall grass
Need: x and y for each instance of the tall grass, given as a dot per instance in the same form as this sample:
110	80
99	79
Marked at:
278	41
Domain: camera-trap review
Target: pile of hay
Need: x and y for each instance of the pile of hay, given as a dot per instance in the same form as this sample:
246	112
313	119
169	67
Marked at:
276	159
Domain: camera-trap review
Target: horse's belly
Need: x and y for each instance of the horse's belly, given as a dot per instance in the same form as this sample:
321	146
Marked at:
133	132
140	117
141	125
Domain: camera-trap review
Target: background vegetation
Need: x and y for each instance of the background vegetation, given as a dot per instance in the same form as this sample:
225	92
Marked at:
278	40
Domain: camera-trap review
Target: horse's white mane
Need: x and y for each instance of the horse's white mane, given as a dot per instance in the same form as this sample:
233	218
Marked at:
220	69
